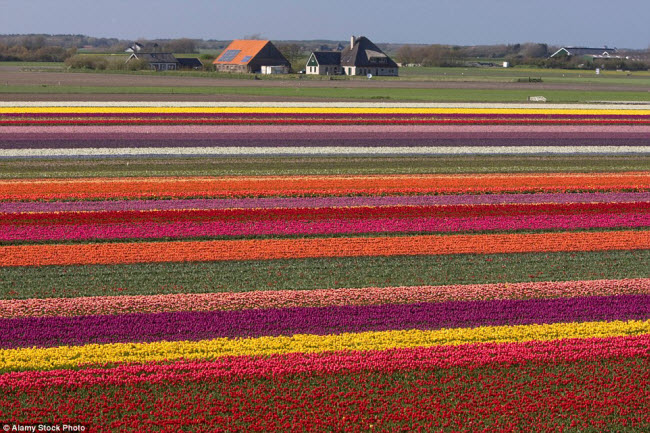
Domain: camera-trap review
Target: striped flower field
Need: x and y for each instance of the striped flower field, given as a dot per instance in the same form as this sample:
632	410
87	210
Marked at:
325	267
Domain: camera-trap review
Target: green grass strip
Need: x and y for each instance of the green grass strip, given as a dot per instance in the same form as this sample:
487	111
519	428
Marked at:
346	92
276	166
304	274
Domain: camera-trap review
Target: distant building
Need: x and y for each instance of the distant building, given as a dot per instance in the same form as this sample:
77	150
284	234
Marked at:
189	63
595	53
157	61
361	57
137	47
249	56
166	61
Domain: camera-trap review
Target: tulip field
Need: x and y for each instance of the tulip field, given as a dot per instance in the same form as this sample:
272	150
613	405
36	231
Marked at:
325	266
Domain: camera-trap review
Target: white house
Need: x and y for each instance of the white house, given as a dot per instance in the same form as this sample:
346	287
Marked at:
361	57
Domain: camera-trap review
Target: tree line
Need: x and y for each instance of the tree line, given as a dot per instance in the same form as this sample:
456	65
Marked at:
58	48
532	54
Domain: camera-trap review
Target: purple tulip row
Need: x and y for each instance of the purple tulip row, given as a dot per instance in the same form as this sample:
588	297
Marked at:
85	142
273	140
178	326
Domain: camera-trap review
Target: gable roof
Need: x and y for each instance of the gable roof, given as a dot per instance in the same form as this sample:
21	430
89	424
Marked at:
240	52
328	57
365	53
155	57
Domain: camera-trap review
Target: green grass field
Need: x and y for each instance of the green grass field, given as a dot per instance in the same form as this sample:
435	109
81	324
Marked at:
387	93
621	85
518	71
282	166
33	64
305	274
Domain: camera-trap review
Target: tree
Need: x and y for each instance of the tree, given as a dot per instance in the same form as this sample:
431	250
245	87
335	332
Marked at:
291	52
34	42
407	54
184	45
530	49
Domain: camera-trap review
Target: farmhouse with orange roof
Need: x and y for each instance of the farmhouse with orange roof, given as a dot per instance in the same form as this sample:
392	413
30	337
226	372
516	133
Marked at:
252	56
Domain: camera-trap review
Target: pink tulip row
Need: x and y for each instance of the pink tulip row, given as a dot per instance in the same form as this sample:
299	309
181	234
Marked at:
283	129
348	362
315	298
279	227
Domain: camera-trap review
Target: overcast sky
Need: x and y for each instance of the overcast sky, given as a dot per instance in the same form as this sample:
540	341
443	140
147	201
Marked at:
615	23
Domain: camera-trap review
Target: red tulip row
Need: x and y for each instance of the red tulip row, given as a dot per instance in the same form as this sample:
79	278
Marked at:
605	394
320	214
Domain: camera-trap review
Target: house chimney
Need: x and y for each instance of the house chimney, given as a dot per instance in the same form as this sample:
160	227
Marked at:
351	41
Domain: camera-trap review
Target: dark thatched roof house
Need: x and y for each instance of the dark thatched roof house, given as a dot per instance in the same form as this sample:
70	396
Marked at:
189	63
361	57
252	56
166	61
157	61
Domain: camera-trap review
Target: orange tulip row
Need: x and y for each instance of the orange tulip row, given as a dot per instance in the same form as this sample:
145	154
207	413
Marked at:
157	187
262	249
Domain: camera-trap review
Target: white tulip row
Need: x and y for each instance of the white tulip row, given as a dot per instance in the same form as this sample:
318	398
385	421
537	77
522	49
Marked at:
324	150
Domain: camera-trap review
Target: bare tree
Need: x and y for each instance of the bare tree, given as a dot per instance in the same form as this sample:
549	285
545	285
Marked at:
254	36
530	49
181	46
407	54
290	51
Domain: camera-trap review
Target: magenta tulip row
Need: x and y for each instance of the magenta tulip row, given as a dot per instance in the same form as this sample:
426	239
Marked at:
129	130
185	229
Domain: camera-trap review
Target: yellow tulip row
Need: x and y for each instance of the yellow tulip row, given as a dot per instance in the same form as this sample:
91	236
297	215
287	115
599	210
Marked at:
72	356
314	110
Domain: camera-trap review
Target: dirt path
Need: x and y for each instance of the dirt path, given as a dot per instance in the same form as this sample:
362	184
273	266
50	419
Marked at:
108	97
